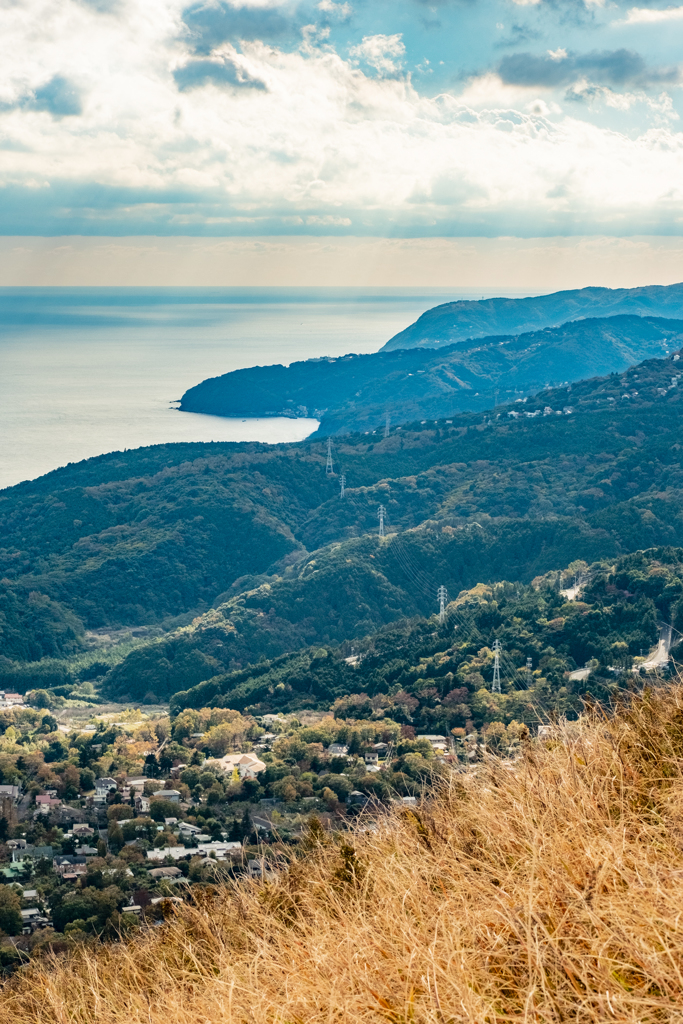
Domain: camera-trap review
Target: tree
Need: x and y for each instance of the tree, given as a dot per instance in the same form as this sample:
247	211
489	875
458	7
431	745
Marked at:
151	769
10	911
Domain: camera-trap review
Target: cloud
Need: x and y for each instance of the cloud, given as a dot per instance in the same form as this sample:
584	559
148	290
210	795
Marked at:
213	22
337	9
336	143
648	16
220	70
102	6
614	68
518	35
383	53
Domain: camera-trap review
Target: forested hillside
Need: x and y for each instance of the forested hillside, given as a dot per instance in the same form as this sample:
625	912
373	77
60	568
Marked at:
256	544
437	677
358	392
455	321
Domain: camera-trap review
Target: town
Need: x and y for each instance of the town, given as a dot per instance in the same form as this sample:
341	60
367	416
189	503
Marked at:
104	824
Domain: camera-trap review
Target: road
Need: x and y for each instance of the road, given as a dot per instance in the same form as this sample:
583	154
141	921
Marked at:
659	658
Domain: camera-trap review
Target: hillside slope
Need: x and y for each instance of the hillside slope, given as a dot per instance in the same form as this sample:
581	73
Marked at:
150	535
550	883
456	321
438	676
357	392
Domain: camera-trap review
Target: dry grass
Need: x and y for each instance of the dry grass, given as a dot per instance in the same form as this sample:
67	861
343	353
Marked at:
550	893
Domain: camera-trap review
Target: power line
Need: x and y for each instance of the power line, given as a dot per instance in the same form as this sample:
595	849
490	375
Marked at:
386	426
329	467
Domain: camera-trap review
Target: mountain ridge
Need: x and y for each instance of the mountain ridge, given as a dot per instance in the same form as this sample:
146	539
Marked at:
467	318
357	392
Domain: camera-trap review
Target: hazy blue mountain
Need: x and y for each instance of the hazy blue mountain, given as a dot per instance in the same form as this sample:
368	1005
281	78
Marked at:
456	321
356	392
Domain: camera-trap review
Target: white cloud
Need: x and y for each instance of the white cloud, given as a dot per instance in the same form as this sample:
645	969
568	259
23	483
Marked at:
384	53
322	146
340	10
650	16
559	54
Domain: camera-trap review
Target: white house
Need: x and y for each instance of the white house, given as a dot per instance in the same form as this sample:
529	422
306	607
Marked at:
248	765
222	850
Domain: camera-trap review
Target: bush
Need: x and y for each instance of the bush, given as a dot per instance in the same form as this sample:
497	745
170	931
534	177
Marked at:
160	809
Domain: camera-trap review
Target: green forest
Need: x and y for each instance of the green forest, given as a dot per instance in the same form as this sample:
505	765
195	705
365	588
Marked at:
205	559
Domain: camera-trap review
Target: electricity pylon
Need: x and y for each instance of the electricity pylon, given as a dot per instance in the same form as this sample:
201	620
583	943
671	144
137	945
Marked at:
442	596
495	686
381	512
529	673
329	468
342	483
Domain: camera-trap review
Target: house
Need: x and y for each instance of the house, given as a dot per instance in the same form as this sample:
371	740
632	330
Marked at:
45	803
83	830
169	872
23	851
372	758
133	908
13	792
69	867
356	797
221	849
102	789
142	804
381	748
190	830
338	750
33	918
261	869
436	742
247	765
172	795
87	851
170	821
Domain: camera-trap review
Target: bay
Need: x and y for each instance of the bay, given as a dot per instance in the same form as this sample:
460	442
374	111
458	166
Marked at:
84	371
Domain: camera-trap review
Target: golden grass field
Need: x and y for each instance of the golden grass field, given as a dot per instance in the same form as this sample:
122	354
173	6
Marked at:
548	891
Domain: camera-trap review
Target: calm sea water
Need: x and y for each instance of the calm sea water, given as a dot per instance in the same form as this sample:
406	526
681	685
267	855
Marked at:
85	371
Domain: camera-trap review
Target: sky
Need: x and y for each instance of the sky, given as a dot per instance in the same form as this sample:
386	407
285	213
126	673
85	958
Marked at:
384	119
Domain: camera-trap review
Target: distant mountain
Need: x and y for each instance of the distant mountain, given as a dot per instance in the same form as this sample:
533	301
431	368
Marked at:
357	392
457	321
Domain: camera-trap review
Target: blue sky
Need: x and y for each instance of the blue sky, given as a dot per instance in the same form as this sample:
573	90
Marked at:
340	117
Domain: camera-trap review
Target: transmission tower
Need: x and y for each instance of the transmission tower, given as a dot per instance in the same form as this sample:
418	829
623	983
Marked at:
386	426
442	597
495	686
381	512
329	468
342	483
529	675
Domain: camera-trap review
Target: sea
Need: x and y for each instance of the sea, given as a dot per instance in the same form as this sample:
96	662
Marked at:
84	371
